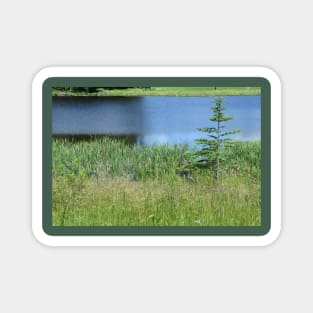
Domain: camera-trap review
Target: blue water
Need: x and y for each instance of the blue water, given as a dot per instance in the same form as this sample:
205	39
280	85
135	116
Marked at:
153	119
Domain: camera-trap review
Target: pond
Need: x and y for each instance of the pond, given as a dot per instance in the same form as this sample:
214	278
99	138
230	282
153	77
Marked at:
153	119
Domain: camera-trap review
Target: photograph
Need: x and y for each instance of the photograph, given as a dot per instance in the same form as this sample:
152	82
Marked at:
156	156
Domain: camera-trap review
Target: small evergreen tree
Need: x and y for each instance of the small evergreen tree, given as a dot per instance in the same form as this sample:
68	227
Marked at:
211	153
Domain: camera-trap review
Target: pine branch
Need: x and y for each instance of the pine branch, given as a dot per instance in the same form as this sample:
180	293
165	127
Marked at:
207	129
230	132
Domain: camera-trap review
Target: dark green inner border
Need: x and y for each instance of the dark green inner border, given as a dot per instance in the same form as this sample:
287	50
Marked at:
157	82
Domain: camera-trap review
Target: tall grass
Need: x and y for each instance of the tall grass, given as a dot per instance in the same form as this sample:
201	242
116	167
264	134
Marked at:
108	182
109	158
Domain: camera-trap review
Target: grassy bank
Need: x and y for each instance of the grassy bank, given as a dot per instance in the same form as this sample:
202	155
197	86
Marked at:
105	182
166	91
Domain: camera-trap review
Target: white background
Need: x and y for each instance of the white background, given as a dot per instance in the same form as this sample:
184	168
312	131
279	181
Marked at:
36	34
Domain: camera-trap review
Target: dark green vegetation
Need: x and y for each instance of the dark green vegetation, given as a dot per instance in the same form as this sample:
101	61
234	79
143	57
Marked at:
211	153
157	91
107	182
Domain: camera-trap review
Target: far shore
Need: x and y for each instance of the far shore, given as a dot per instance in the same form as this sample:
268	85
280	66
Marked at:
164	91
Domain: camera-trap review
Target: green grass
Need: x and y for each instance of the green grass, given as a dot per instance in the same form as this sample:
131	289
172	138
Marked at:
106	182
168	91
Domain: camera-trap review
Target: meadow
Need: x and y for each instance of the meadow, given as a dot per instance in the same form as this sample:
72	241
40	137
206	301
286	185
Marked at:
109	182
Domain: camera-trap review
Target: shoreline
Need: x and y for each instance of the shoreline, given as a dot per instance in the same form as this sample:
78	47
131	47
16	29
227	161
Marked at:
163	91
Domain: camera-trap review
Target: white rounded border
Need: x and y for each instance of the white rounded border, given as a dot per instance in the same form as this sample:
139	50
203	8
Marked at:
276	149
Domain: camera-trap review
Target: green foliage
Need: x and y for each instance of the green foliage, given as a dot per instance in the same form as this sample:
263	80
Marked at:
211	153
106	158
120	202
106	182
243	158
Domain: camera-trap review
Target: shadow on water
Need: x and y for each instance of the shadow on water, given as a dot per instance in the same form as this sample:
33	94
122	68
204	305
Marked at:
80	116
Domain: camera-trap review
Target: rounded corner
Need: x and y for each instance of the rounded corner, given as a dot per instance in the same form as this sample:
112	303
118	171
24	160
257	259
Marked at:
41	235
271	76
271	236
43	76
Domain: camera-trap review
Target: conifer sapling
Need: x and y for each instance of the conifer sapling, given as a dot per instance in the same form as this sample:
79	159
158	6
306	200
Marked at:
211	153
